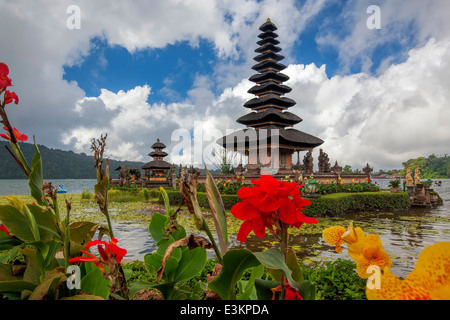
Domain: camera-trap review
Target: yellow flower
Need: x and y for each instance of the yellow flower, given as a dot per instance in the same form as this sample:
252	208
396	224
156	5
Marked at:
430	279
333	235
366	250
327	181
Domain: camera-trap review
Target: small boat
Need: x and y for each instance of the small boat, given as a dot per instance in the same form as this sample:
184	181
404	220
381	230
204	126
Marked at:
61	189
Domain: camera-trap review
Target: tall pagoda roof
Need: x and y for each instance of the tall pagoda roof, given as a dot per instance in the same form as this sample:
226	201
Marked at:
270	103
269	87
268	117
269	76
268	26
156	163
158	145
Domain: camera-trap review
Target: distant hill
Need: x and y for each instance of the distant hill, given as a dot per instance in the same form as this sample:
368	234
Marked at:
433	167
57	164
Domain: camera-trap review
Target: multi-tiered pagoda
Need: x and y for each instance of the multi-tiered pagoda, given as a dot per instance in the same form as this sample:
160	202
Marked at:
269	122
158	166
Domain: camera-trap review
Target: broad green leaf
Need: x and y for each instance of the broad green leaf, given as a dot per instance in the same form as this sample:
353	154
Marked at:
47	289
157	226
6	273
94	283
273	259
190	264
16	286
307	290
36	176
166	199
218	211
249	291
263	288
16	223
235	262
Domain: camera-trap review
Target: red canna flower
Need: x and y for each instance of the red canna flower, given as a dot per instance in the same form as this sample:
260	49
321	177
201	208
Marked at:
10	96
90	258
268	202
290	293
19	136
4	229
4	80
110	254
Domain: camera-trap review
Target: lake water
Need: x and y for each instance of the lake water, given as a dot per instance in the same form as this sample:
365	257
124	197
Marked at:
404	233
20	186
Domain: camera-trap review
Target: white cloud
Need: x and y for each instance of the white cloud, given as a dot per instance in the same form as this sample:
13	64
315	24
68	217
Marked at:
383	119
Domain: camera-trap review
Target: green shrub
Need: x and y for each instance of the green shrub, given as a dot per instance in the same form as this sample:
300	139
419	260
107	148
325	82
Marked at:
339	203
145	193
86	194
336	280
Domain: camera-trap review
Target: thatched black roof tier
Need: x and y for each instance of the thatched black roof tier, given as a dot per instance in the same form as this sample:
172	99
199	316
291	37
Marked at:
269	65
270	100
267	41
287	138
268	47
269	76
158	145
158	154
267	34
156	165
268	55
268	26
268	117
269	87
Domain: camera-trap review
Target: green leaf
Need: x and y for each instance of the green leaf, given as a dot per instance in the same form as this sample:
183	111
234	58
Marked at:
218	211
263	288
94	283
273	259
293	265
16	286
190	264
235	262
157	226
166	200
249	291
36	179
307	290
48	288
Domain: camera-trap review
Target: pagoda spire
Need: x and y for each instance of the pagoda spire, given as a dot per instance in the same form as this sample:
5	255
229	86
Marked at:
269	106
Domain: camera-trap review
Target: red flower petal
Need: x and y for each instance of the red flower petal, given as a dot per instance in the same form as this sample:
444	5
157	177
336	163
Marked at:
244	230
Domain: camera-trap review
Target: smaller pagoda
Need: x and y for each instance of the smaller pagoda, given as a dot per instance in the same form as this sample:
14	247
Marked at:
157	166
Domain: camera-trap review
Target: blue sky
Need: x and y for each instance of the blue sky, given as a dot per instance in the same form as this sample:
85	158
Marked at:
141	70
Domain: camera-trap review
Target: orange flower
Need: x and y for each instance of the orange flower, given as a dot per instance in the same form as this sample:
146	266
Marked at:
19	136
430	279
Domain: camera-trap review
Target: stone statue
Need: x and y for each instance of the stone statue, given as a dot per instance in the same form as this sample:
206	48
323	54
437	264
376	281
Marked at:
417	176
409	179
324	164
308	162
336	168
